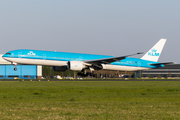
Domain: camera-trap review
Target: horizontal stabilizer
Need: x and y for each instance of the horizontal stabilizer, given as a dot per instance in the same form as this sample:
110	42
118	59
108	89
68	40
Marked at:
167	63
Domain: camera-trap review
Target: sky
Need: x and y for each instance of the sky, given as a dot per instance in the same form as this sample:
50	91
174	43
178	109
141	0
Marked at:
107	27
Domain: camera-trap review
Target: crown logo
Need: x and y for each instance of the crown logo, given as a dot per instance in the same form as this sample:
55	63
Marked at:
153	50
31	53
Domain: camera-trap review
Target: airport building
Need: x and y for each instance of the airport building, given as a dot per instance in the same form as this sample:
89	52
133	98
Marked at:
167	71
23	71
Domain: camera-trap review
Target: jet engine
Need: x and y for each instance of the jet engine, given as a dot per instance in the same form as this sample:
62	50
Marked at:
75	65
60	68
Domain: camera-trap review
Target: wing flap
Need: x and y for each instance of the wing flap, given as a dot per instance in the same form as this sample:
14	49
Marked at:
109	60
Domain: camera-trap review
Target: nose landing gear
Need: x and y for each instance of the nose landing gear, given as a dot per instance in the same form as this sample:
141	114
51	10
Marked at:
15	68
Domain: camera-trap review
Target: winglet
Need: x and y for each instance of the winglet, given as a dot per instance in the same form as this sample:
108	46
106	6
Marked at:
154	53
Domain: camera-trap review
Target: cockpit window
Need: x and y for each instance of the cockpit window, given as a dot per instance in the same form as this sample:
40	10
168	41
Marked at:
8	53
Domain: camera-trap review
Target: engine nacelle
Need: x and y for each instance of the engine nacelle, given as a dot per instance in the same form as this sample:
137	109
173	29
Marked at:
75	65
60	68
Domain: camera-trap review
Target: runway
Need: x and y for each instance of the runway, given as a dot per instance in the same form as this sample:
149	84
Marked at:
48	80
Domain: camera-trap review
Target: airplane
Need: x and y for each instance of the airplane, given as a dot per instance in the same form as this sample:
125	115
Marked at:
62	61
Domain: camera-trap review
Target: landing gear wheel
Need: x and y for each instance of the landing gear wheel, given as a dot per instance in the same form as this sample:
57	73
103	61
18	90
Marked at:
15	69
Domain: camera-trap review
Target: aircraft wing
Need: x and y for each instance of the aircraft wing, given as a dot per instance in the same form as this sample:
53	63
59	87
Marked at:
166	63
108	60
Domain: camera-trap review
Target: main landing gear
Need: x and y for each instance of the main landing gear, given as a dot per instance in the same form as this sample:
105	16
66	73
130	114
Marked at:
83	73
87	74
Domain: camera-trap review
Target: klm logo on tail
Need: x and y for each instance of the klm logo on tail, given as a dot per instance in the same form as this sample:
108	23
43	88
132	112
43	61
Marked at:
153	53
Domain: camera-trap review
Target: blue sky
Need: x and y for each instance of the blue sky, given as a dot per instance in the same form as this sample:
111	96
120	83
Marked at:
110	27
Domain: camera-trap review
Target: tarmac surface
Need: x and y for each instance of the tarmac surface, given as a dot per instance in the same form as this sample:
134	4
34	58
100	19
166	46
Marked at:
89	80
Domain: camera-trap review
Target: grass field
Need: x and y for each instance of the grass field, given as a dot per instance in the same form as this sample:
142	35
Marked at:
90	100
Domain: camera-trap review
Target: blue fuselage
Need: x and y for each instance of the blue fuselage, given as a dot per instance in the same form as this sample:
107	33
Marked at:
27	54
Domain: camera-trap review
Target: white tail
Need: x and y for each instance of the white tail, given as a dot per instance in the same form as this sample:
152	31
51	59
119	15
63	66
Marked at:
154	53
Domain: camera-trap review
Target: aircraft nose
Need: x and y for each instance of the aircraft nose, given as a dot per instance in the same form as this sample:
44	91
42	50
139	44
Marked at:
5	57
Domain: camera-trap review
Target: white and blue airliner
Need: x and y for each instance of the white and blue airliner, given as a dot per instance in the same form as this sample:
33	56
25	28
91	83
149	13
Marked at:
62	61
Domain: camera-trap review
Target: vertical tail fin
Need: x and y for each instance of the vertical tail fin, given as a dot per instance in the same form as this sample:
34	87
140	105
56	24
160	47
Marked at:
154	53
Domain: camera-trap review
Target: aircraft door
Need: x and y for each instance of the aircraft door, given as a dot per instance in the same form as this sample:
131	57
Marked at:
139	63
44	56
19	54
